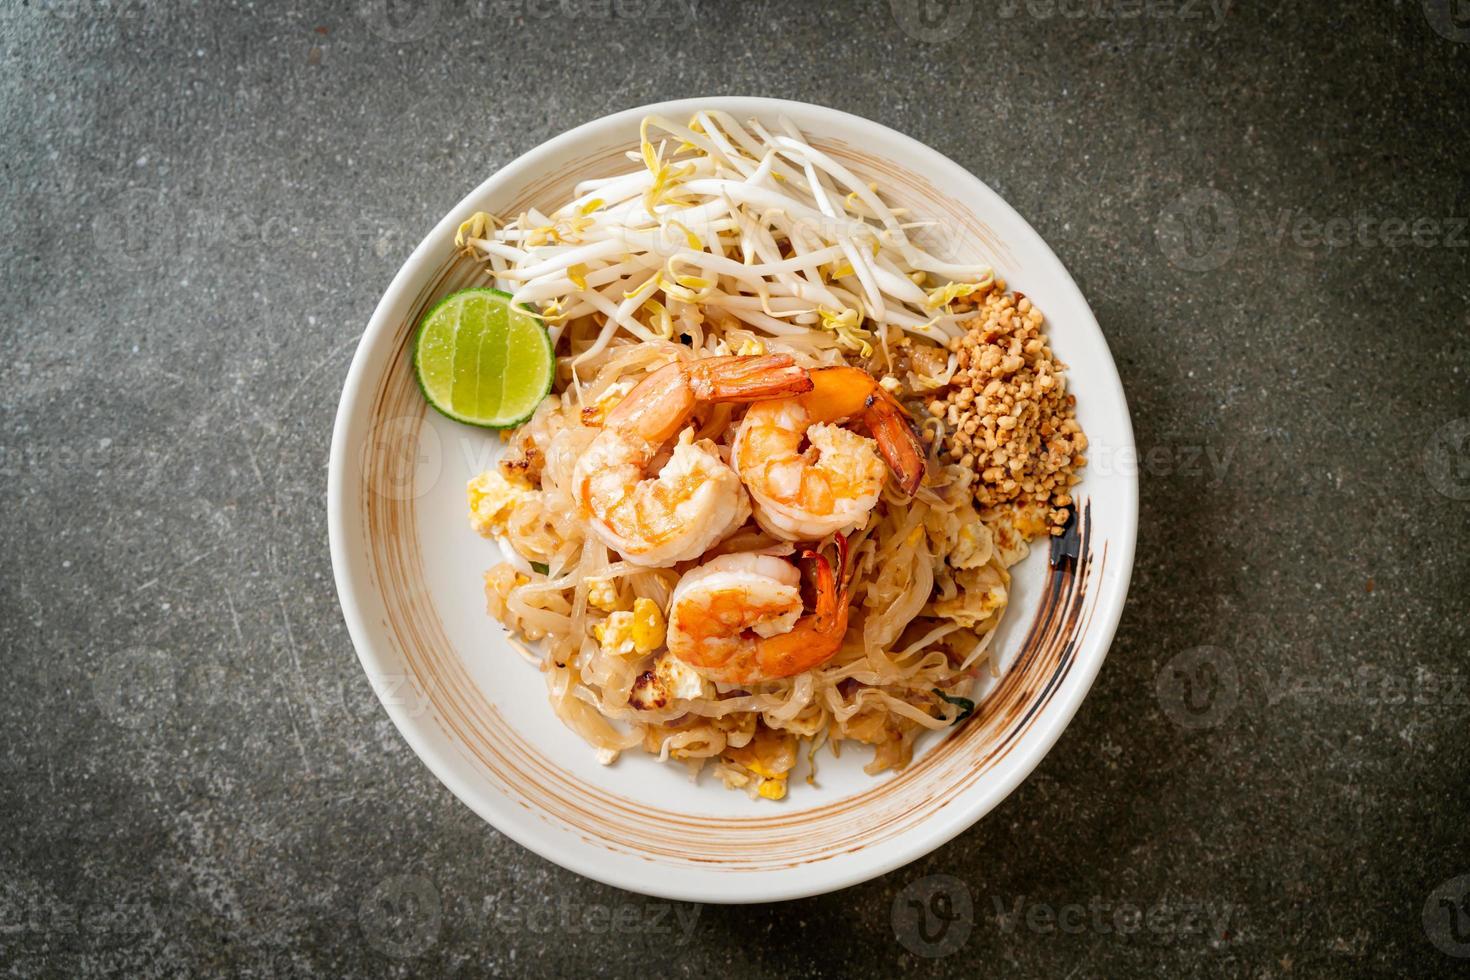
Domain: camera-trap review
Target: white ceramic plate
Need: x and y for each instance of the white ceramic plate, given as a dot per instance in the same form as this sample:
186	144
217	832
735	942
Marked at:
408	572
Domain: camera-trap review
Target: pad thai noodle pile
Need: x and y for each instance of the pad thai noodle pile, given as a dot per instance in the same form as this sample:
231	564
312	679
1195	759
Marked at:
739	528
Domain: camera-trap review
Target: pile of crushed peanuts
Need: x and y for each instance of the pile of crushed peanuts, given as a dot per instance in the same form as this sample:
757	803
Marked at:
1006	413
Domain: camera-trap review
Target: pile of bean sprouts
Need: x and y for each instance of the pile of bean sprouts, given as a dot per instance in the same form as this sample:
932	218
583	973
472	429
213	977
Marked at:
758	226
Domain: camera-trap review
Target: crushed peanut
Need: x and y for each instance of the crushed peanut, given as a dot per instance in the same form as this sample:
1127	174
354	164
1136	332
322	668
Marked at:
1008	415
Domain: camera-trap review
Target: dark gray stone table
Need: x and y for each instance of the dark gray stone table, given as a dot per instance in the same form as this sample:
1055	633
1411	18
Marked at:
1266	205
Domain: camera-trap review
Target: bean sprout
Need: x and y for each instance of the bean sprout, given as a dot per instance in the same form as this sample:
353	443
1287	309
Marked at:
763	226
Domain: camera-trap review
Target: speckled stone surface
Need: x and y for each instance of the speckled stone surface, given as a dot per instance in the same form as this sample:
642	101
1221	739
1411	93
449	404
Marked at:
1266	205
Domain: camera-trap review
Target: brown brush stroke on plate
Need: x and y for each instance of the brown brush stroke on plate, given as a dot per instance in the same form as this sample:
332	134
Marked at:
894	805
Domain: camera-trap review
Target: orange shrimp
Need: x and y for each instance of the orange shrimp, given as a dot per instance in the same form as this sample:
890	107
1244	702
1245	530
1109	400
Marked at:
696	499
810	477
739	618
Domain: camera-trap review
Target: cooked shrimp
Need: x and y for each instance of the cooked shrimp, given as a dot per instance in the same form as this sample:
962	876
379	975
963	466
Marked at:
809	476
696	499
738	618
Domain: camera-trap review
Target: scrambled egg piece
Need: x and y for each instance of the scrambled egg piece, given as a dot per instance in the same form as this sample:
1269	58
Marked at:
648	626
771	755
1010	540
1030	520
670	680
602	593
504	577
594	414
640	630
973	546
616	634
492	499
982	593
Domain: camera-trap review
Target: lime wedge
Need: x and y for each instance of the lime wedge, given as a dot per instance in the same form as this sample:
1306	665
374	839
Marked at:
482	361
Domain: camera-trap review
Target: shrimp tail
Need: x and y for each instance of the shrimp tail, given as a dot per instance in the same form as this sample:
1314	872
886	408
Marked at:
844	562
734	378
819	633
898	442
818	570
829	613
843	392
